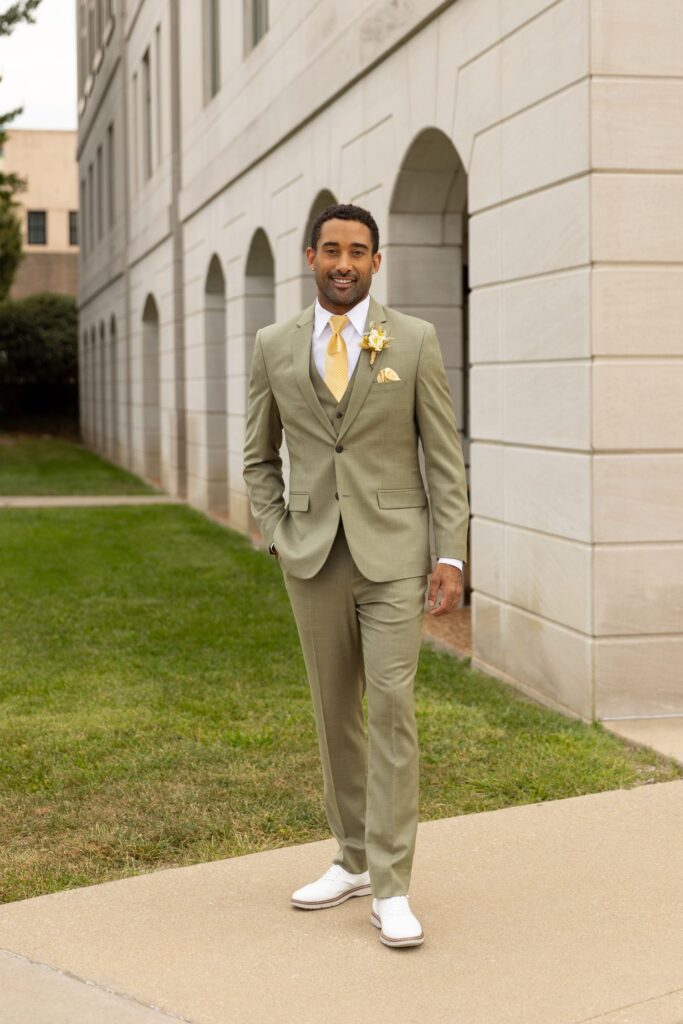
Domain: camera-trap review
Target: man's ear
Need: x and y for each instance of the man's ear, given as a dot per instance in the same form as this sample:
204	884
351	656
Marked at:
310	256
376	262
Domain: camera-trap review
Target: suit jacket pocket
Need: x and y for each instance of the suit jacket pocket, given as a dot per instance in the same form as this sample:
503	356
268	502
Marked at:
403	497
298	502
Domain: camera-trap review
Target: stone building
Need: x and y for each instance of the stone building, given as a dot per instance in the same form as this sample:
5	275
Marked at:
48	209
523	160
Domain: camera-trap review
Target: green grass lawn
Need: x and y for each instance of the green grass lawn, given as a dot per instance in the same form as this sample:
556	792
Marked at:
154	708
50	465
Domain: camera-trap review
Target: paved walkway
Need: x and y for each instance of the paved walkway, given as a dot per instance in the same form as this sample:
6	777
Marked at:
85	500
564	912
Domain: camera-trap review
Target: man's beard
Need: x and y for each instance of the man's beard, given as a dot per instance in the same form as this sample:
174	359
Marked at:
343	296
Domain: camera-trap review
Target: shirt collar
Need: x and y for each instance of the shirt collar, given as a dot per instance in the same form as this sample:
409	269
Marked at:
358	316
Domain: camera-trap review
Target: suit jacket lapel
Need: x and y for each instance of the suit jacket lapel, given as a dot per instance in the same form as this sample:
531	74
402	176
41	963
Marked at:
366	373
301	358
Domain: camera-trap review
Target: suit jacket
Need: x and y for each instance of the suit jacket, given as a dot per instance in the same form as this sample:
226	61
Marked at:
367	471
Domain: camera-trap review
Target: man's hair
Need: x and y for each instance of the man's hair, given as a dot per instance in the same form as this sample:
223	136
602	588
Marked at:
345	211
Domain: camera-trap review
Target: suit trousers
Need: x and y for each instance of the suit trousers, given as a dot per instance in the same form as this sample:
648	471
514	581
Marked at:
360	637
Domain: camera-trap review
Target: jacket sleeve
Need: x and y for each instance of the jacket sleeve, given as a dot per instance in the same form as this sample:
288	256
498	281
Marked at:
262	463
444	463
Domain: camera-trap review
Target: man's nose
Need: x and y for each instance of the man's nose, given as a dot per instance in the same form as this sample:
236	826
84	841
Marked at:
343	264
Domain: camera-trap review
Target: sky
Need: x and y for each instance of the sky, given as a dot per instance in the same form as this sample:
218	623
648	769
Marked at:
38	68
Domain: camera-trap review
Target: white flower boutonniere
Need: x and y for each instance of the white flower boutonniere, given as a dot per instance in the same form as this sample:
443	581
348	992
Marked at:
376	340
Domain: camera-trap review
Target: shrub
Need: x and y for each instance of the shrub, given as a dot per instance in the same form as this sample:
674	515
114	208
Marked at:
39	356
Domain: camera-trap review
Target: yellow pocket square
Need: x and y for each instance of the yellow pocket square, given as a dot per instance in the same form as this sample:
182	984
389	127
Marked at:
386	375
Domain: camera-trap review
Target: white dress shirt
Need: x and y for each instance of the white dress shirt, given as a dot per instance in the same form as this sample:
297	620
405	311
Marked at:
352	335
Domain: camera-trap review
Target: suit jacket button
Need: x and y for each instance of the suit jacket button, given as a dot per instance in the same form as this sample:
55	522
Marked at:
336	496
339	448
339	415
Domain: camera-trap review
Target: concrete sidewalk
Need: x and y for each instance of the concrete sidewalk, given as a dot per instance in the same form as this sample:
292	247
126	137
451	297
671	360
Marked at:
85	500
555	913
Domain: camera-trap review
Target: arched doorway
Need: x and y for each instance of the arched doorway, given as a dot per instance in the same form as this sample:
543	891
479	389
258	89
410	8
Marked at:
113	390
323	199
151	405
427	258
215	389
83	381
259	310
103	431
93	389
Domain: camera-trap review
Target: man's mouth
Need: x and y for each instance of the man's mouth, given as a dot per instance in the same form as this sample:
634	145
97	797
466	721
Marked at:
342	282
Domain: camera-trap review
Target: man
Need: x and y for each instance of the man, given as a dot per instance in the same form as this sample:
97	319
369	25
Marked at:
354	386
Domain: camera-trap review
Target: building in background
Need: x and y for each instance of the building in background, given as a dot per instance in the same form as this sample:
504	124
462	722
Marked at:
48	209
523	161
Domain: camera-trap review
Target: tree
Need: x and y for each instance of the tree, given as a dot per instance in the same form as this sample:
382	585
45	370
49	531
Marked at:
11	184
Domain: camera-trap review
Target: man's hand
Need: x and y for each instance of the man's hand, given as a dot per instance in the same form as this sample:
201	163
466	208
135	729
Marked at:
446	579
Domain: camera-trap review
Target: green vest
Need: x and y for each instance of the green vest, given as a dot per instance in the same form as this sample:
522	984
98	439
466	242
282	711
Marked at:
331	407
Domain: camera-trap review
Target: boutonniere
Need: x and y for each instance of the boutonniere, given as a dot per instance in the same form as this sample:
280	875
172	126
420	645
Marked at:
376	340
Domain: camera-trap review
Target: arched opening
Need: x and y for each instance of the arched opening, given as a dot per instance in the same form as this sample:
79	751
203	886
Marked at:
151	405
93	418
215	389
83	386
103	431
259	310
323	199
113	390
427	258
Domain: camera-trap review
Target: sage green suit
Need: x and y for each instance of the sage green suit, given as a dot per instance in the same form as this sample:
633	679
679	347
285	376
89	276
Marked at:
353	544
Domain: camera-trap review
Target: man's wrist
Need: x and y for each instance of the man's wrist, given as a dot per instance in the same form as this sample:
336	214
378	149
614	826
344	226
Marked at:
452	561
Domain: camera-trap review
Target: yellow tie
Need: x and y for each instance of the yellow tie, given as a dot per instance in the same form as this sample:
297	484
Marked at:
336	359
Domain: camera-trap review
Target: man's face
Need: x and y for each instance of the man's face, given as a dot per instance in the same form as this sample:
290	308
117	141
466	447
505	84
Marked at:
343	264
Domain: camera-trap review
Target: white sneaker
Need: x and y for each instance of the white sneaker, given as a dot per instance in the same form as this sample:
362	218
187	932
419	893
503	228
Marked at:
336	886
396	921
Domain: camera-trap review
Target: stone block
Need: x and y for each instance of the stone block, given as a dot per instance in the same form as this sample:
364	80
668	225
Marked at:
637	311
549	491
637	218
487	484
628	38
638	589
547	405
638	677
546	231
488	636
637	404
546	143
549	576
477	101
638	497
547	54
636	124
488	557
486	403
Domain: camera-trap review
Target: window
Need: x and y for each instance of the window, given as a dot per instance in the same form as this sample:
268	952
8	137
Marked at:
100	192
111	182
134	147
82	211
157	58
255	22
147	115
82	48
91	207
73	227
212	49
91	36
37	227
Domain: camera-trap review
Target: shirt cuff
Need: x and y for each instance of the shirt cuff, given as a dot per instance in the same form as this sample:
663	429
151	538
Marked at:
452	561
